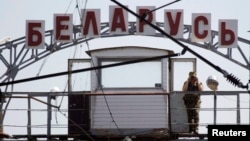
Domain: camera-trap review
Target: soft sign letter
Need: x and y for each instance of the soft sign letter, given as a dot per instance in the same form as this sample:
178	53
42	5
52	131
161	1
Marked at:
228	33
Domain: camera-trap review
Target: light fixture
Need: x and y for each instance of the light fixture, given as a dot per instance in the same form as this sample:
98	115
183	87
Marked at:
55	89
127	138
212	82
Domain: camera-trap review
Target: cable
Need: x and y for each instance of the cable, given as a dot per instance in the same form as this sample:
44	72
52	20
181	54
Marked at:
88	69
104	96
74	56
145	14
34	99
58	110
7	105
230	77
42	65
95	68
68	7
78	126
79	11
165	5
77	7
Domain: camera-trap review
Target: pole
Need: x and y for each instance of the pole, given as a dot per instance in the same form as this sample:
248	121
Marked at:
215	107
2	113
238	109
49	118
29	119
248	87
1	120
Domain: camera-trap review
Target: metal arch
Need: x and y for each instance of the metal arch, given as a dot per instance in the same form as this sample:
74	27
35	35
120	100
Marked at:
15	56
213	46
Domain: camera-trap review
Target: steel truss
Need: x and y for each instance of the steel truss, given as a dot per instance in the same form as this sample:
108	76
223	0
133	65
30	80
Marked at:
16	57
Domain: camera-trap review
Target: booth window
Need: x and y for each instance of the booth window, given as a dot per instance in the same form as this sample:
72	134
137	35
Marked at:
138	75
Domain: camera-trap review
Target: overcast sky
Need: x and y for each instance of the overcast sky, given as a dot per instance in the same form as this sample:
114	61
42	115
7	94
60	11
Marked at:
13	25
13	15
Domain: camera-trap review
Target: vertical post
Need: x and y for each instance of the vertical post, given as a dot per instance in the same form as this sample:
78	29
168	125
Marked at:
1	119
49	117
1	114
238	109
2	100
29	118
248	87
215	107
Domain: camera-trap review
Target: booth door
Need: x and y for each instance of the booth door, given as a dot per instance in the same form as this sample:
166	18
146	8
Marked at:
180	68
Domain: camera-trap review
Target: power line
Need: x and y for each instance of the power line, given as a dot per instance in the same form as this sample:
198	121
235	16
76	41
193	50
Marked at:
230	77
89	69
145	14
78	126
104	96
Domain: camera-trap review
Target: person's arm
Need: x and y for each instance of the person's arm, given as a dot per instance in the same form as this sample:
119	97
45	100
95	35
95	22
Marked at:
185	86
200	85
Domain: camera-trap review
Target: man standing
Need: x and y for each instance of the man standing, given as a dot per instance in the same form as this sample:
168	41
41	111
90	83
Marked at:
192	101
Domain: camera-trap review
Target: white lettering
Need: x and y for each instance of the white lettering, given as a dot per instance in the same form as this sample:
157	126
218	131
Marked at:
216	132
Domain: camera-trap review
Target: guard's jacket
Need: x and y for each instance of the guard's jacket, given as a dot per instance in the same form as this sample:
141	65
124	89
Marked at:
192	102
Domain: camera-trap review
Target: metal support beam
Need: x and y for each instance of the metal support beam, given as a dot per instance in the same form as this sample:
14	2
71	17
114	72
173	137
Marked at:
215	107
49	111
238	109
16	57
29	117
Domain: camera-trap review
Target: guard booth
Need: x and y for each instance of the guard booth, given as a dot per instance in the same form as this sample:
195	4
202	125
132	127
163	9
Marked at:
128	100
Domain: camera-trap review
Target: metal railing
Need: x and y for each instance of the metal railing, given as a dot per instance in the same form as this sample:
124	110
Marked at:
220	107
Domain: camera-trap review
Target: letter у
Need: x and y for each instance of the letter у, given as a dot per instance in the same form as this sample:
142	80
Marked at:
173	23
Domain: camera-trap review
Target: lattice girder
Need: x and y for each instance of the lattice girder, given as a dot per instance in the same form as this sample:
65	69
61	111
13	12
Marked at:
15	57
